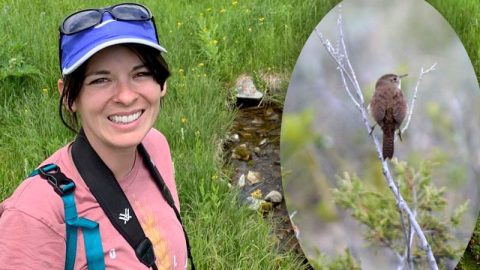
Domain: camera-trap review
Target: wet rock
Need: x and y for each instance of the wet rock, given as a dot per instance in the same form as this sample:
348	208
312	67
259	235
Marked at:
262	132
250	129
234	138
262	142
259	205
242	152
257	150
273	117
257	121
246	88
269	111
274	197
241	180
253	177
254	203
246	135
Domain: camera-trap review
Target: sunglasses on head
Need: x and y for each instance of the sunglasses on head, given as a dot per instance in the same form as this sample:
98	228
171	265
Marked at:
88	18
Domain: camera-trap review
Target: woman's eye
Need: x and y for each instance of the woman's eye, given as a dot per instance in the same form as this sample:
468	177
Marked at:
98	81
143	74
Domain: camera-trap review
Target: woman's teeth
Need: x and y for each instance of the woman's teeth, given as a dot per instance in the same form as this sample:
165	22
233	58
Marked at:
125	119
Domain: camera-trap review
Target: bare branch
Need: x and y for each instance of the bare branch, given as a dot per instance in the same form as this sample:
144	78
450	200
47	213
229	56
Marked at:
410	111
405	234
348	90
411	231
354	80
338	57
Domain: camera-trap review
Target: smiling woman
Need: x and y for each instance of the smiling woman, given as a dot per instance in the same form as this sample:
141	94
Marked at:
113	77
118	103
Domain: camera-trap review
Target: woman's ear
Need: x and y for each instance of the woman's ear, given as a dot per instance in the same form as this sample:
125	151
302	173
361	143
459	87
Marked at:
163	89
61	88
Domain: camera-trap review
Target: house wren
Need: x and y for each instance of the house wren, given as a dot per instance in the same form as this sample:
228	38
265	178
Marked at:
388	107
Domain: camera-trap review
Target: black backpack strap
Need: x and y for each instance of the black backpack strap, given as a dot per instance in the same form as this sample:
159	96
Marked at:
112	199
165	193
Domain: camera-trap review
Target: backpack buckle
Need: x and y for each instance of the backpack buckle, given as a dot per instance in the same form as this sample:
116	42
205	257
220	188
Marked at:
60	183
144	252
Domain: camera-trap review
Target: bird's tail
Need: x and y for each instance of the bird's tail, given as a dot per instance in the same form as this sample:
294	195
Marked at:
387	148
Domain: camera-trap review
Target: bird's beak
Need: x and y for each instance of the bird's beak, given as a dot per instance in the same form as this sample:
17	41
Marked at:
404	75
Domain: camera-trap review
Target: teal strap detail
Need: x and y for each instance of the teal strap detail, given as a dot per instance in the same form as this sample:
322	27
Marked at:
91	236
93	246
70	217
47	168
91	232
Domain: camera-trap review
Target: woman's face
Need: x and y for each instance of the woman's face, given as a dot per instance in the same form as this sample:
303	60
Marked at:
119	100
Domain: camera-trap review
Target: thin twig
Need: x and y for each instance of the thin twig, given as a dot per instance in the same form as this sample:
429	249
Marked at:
358	90
405	233
337	57
348	90
414	206
410	111
401	204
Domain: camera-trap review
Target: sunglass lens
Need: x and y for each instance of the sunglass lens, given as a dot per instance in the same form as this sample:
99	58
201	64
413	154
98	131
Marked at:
131	12
81	21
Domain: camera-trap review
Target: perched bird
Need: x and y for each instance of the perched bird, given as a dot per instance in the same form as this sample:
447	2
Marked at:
388	107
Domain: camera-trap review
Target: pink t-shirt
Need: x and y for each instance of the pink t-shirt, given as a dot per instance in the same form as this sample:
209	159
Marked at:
33	231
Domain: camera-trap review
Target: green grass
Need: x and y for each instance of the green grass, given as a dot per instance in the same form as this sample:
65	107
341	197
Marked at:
209	44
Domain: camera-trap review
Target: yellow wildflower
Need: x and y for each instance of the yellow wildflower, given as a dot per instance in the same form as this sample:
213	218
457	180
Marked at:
257	194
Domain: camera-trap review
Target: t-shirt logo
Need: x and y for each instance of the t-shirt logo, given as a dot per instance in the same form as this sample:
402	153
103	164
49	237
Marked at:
125	216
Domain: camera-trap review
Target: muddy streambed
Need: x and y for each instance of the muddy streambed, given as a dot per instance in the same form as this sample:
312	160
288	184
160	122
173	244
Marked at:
253	152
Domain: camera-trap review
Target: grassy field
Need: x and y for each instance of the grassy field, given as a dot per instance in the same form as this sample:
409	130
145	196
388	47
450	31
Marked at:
210	43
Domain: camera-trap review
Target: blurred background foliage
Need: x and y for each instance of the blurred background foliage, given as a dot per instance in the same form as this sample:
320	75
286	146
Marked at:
323	136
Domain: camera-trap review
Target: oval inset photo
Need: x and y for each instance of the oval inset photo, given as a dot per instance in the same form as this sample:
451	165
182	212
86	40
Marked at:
380	145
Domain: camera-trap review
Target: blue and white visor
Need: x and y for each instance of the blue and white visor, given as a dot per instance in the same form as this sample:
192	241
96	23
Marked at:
77	48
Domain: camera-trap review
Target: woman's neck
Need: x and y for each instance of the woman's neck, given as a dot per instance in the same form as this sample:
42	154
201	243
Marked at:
119	160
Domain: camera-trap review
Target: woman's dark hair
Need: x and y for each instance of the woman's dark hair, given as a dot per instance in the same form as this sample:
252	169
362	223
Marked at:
73	82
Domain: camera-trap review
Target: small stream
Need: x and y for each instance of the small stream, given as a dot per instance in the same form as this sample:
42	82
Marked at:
254	152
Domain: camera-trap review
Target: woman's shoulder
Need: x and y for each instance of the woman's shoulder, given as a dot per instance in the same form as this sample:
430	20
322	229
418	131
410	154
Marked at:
36	198
156	142
155	136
